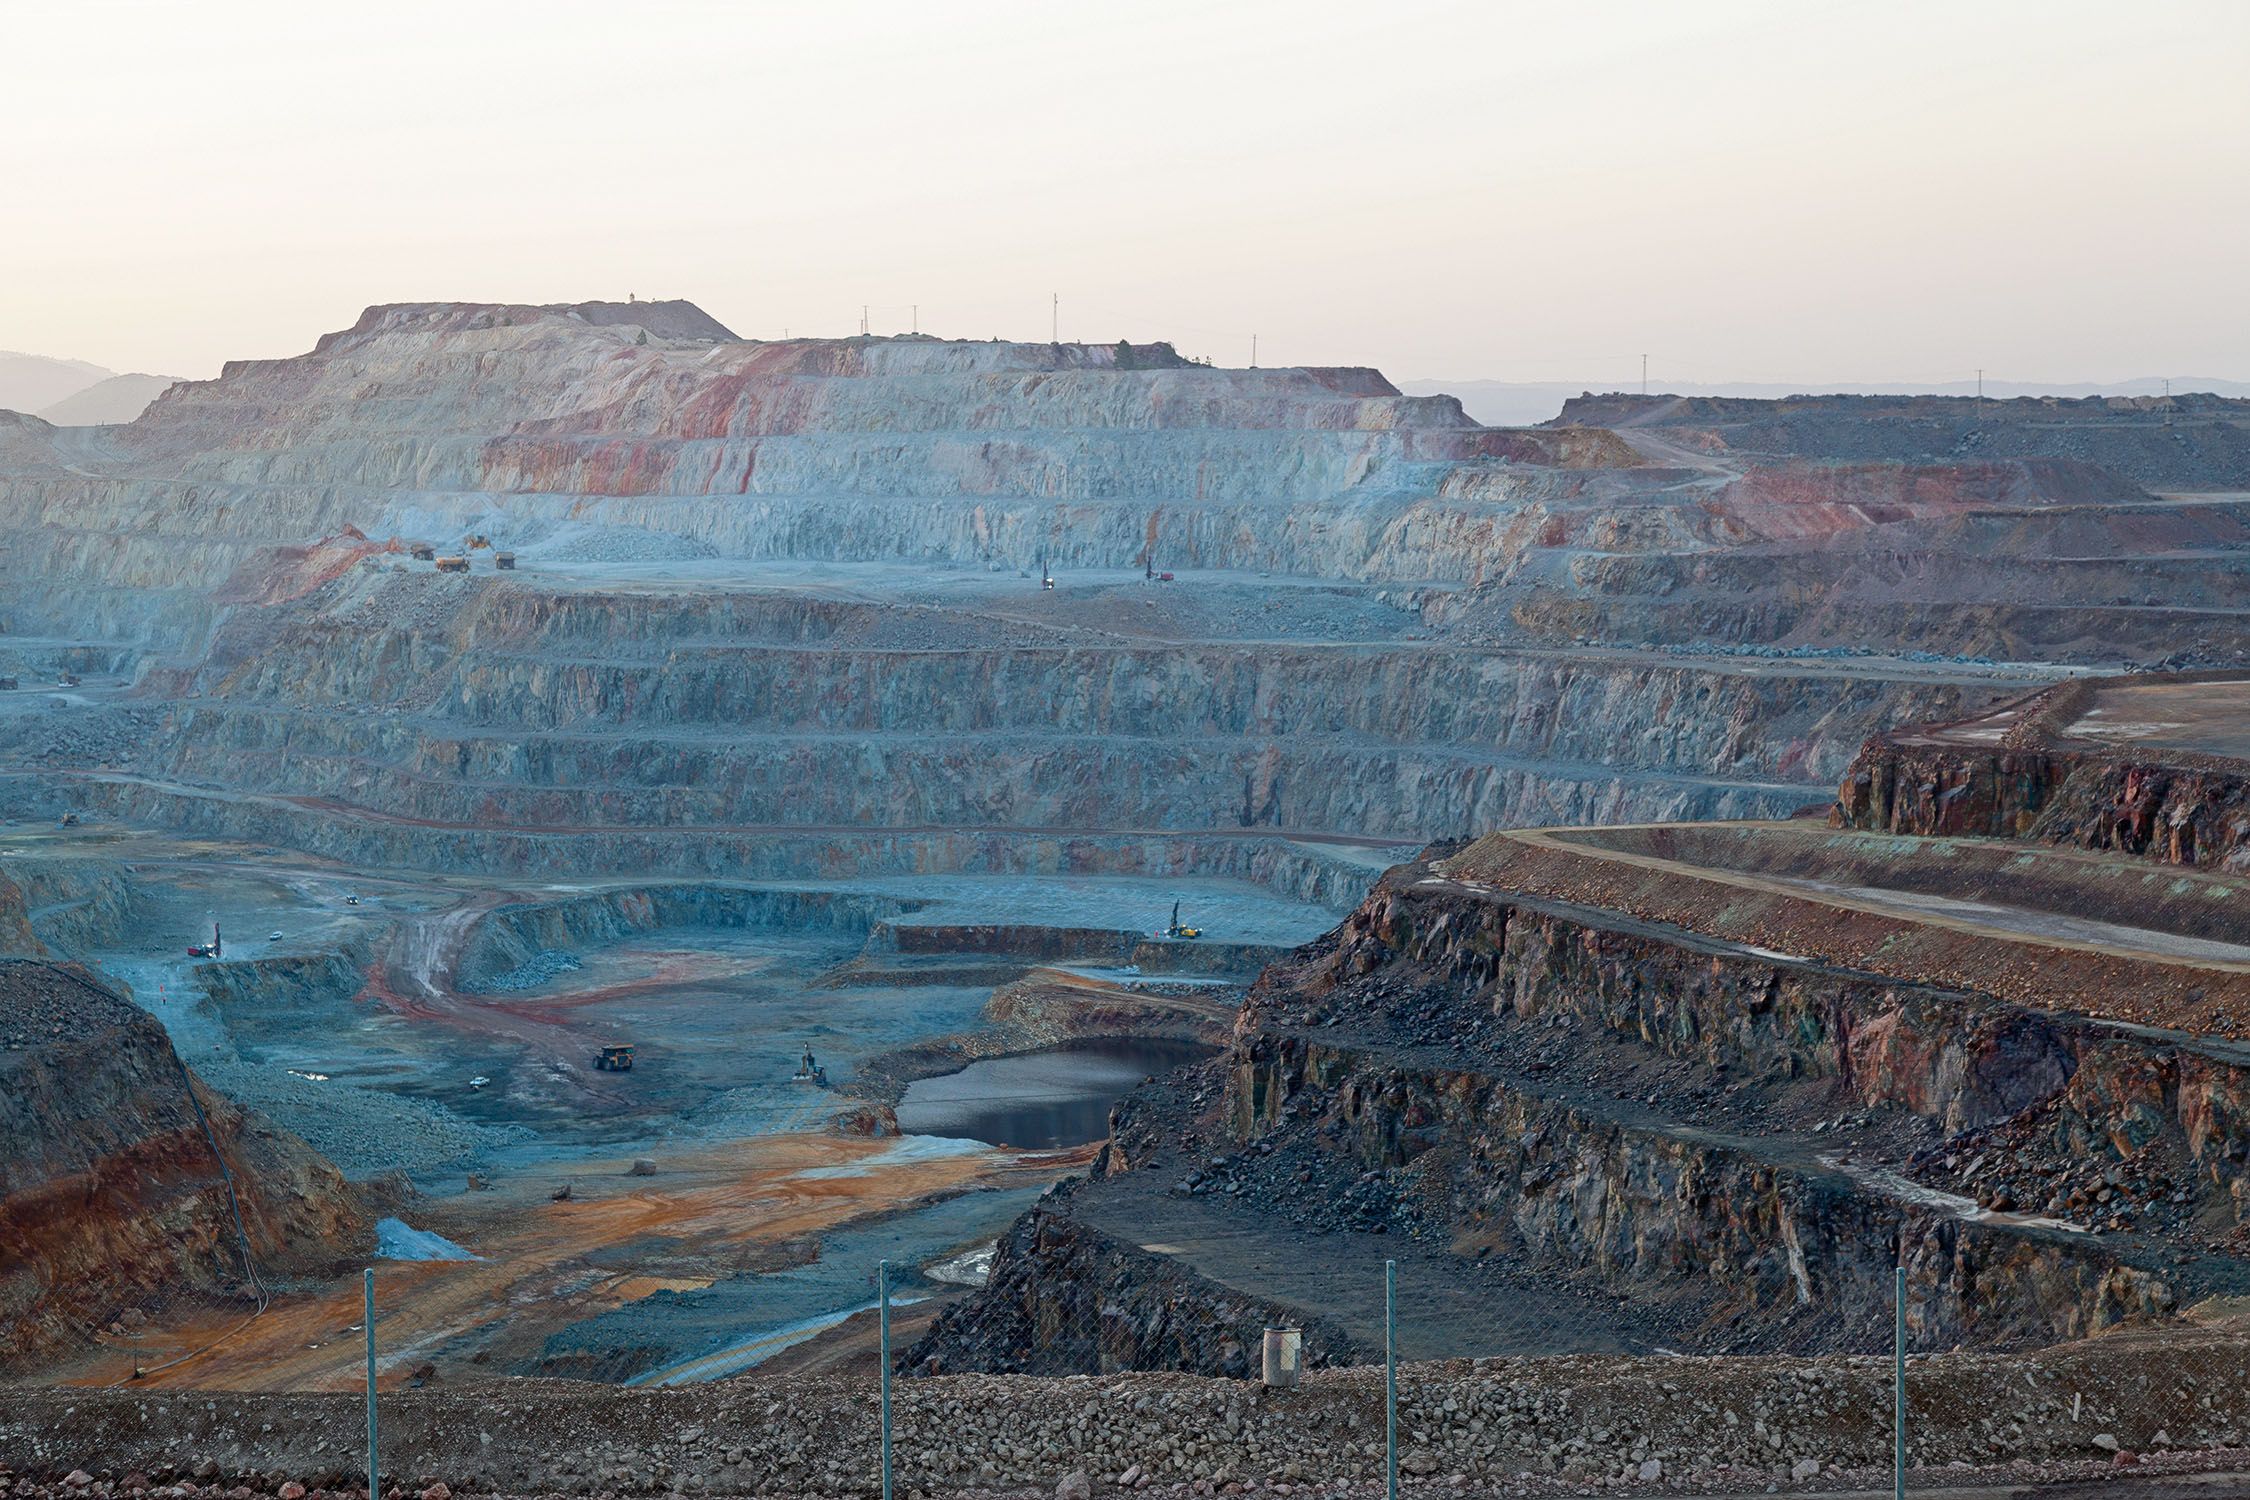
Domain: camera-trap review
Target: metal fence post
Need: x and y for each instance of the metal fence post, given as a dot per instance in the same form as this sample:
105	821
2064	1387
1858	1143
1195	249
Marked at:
367	1316
1390	1379
1898	1388
883	1335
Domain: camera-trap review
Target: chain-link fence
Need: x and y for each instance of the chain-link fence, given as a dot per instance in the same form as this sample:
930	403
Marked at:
1907	1417
1300	1410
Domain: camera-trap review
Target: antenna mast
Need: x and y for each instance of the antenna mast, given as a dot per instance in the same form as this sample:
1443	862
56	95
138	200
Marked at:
1054	314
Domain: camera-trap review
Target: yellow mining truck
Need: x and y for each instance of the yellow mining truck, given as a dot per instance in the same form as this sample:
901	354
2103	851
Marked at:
453	565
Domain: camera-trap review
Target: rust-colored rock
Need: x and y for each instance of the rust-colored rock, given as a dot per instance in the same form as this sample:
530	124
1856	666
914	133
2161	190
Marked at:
121	1176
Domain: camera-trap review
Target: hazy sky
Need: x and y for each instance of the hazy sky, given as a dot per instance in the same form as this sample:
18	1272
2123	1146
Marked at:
1865	190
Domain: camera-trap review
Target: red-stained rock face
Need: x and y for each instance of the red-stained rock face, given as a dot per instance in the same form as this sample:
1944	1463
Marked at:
112	1197
2032	779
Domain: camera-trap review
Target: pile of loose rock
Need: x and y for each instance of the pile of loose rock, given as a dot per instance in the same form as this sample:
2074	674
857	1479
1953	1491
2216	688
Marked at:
1526	1427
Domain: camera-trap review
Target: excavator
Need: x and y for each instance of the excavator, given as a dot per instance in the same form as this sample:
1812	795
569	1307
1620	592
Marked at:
1176	930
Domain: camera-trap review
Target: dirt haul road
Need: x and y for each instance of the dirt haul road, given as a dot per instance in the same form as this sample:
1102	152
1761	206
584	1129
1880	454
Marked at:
750	1206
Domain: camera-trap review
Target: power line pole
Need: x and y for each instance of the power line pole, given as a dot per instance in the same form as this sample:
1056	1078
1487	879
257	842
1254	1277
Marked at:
917	317
1253	351
1644	374
1898	1386
367	1316
1054	325
883	1339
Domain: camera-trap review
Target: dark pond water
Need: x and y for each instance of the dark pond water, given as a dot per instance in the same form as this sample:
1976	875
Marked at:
1039	1099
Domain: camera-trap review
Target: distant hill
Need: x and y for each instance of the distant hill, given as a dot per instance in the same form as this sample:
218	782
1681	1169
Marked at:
30	382
120	398
1523	403
673	319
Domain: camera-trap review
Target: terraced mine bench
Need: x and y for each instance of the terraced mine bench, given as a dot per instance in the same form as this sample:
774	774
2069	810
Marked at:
1697	1087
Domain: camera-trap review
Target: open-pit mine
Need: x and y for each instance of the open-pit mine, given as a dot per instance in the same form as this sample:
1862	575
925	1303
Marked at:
624	828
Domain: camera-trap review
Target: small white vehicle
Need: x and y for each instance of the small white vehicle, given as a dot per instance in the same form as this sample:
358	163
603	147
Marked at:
273	937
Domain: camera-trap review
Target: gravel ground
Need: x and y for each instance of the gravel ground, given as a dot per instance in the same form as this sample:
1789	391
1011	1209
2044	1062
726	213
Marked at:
1518	1427
363	1131
542	968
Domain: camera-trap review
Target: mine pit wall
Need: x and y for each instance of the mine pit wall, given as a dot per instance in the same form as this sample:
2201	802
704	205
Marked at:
1366	515
1066	1299
1673	1208
1300	871
39	664
1387	744
2161	898
1030	1014
16	934
1077	944
1678	1213
69	906
512	935
110	1195
77	905
294	979
2180	810
1966	1061
1319	876
1405	793
1994	628
490	655
686	853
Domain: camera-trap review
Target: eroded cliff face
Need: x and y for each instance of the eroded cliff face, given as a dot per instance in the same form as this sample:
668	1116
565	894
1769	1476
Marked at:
2071	766
16	936
522	708
1783	1238
2183	815
1670	1192
1066	1299
121	1177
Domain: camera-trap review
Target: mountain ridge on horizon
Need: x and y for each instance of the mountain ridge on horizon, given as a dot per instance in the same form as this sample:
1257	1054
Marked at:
75	392
1517	403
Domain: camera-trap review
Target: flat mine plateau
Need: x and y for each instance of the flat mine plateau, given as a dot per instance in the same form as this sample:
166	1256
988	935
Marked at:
1133	847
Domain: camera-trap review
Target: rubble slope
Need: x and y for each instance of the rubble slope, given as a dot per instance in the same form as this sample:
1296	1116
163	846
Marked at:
125	1184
